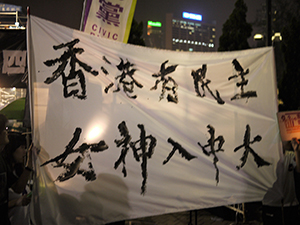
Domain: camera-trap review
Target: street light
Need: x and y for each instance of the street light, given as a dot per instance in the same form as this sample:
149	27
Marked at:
259	40
276	37
258	37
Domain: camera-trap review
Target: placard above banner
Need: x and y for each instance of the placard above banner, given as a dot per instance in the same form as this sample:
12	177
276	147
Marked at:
109	19
127	131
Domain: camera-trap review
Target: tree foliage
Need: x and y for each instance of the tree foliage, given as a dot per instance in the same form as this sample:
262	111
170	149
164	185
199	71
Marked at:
136	32
285	19
283	11
289	86
236	30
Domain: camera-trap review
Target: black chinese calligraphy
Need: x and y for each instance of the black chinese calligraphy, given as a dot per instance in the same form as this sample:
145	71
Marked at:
102	68
259	161
106	60
162	75
242	83
69	148
125	79
108	87
211	143
199	77
70	54
73	168
145	153
176	146
140	152
124	142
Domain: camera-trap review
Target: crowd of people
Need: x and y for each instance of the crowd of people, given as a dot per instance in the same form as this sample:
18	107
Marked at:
280	203
15	170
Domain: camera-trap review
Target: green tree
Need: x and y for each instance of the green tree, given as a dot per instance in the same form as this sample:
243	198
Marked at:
136	32
236	30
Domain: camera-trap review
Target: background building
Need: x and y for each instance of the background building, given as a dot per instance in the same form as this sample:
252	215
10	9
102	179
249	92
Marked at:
189	35
11	17
181	34
12	57
155	35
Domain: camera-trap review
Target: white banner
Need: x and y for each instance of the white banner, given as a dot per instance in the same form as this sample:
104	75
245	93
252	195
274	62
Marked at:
109	19
127	131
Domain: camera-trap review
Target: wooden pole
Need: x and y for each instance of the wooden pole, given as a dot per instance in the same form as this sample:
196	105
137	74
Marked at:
269	25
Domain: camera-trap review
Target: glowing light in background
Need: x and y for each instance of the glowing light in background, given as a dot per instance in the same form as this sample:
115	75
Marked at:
94	133
192	16
154	24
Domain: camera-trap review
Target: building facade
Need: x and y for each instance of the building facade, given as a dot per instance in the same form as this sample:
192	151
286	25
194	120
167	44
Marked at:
11	17
181	35
155	35
189	35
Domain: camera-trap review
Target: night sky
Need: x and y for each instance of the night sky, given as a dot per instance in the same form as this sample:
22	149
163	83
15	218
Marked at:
68	12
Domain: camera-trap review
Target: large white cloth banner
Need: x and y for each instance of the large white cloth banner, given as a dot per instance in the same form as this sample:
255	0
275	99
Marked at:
128	131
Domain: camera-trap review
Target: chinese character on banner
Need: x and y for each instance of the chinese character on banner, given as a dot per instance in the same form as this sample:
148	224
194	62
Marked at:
14	61
108	18
75	167
13	58
73	74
